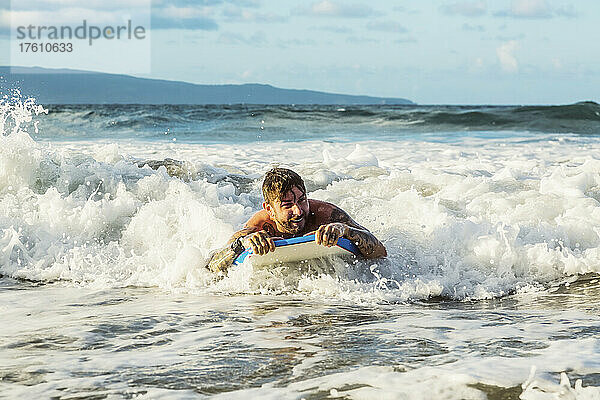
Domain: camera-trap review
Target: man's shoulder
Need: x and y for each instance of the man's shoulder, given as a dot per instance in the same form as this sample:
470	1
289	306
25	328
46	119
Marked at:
261	221
320	205
327	212
324	211
259	218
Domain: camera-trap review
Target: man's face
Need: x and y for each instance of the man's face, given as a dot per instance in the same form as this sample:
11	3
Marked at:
290	211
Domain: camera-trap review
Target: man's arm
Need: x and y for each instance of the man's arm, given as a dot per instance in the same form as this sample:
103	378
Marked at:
342	225
258	234
222	259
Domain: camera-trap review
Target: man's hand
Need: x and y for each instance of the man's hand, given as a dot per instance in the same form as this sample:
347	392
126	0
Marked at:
328	235
260	242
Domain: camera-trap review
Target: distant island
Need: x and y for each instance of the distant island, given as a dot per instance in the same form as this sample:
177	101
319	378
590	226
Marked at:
63	86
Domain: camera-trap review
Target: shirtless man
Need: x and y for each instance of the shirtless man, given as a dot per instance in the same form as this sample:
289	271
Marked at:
286	213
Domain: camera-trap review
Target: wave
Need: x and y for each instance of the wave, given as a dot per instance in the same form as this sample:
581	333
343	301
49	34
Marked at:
581	117
472	223
226	123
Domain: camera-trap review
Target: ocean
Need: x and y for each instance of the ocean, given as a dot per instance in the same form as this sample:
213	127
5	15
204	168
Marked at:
490	216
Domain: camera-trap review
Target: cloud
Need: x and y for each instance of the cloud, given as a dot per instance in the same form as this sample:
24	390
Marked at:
297	43
204	24
532	9
237	14
473	28
557	64
406	40
360	40
185	12
405	10
201	15
202	3
112	5
189	18
386	26
507	38
163	14
329	8
91	5
69	16
334	29
258	38
4	19
568	12
170	17
475	65
40	5
467	8
506	57
231	38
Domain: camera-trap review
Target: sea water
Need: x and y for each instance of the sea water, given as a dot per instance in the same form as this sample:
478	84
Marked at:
490	216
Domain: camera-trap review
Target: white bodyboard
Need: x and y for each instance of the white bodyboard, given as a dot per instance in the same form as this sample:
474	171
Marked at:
296	250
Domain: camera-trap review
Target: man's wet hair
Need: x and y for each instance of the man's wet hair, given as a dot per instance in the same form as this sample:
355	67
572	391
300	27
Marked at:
279	181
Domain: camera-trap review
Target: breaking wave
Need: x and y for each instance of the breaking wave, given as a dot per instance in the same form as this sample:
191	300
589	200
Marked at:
475	221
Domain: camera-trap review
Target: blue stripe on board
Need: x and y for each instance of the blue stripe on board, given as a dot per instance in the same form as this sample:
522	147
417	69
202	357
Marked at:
342	242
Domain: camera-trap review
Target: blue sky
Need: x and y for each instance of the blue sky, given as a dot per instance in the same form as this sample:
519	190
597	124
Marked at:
432	52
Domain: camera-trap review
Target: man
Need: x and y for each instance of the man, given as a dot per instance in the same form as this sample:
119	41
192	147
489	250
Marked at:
286	213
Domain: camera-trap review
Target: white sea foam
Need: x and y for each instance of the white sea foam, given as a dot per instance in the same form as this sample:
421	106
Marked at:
424	383
158	344
477	219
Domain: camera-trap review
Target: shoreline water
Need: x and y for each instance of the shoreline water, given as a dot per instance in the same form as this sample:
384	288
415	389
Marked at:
139	342
487	233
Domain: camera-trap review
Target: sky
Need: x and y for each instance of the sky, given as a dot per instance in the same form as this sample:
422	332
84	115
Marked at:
431	52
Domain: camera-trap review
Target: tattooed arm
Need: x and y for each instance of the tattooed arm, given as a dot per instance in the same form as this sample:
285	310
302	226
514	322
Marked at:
258	234
222	259
341	225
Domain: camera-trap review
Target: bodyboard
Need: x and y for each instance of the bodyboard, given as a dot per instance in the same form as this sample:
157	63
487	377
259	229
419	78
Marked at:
298	249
